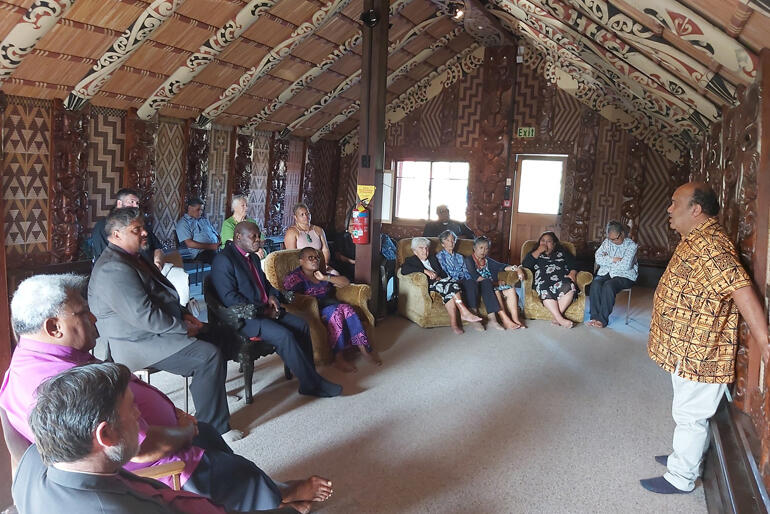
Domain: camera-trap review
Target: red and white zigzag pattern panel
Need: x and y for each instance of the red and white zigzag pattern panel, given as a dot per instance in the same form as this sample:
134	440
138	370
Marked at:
469	109
107	141
656	197
259	170
566	116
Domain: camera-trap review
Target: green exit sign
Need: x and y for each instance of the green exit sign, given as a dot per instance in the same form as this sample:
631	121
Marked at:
525	132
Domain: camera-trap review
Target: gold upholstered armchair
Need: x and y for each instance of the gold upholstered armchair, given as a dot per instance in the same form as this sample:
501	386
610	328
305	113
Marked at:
426	308
278	264
533	306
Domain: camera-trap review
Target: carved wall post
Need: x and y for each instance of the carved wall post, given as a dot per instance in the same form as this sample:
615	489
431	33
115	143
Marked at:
197	164
140	160
632	188
240	179
68	195
276	186
485	194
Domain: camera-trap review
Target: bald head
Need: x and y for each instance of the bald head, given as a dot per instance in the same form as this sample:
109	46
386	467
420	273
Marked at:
247	237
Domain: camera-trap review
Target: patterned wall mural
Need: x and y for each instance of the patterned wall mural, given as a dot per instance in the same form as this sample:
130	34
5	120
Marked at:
26	168
320	181
294	165
106	147
219	164
346	189
259	171
170	165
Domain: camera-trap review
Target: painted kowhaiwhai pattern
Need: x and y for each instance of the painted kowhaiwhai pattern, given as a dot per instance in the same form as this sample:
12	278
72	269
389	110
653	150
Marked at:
566	116
106	145
41	17
170	168
117	54
207	52
259	171
26	168
219	163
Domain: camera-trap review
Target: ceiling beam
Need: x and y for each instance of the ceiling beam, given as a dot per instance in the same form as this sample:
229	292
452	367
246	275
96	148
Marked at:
738	20
198	61
271	60
119	51
41	17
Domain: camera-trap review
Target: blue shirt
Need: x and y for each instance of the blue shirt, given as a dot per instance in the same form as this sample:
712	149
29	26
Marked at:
199	230
453	264
627	267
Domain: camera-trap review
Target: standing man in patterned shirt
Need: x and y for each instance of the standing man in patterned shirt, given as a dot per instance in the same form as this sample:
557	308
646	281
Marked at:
694	329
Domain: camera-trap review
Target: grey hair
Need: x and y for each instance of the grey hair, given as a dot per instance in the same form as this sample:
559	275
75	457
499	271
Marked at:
616	227
298	206
237	198
41	297
420	241
445	234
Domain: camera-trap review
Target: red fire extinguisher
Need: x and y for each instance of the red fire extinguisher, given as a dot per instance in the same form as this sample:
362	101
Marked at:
359	226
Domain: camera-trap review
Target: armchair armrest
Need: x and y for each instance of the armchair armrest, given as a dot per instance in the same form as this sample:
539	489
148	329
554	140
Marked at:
509	277
583	279
357	295
235	314
170	469
528	278
306	303
415	284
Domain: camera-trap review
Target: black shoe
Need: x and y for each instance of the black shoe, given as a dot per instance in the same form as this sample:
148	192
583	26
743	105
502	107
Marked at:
325	389
662	459
661	486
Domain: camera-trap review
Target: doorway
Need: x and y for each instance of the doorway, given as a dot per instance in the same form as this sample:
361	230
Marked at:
538	199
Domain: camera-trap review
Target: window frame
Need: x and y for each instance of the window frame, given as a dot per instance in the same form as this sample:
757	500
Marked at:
395	190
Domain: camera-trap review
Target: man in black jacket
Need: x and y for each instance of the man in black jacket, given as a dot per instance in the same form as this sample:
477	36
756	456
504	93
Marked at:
434	228
239	279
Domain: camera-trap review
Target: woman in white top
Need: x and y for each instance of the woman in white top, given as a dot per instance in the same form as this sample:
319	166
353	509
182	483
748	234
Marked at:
303	234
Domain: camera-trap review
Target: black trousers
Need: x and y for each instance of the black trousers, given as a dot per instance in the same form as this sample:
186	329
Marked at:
471	290
204	363
291	337
229	479
603	292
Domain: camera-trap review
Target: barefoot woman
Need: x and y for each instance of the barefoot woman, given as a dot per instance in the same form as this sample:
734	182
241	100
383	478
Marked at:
342	323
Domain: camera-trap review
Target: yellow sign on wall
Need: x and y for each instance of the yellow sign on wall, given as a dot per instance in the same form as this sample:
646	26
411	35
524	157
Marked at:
365	193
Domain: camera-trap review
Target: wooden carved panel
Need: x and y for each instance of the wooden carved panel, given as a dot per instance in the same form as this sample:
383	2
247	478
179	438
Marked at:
140	161
242	171
487	185
198	163
577	209
630	211
276	187
319	182
68	193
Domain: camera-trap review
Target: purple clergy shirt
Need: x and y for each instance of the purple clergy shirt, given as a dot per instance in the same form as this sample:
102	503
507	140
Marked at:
181	501
33	362
255	273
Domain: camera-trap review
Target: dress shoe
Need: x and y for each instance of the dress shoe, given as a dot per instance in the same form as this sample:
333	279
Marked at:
661	486
662	459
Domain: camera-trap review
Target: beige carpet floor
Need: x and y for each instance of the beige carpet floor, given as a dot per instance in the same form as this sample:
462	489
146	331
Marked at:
542	420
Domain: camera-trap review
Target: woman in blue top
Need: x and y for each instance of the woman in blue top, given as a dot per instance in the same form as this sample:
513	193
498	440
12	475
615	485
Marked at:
496	294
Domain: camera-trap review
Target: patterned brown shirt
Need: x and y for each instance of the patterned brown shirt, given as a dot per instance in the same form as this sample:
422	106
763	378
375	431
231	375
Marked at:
694	319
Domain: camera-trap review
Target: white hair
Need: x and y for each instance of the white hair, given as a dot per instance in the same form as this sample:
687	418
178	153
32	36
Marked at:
236	199
41	297
420	241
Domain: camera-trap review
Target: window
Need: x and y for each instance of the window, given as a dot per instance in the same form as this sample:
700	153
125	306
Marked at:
423	185
540	186
387	196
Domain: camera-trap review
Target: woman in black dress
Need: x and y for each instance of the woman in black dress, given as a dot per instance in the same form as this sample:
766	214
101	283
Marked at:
555	275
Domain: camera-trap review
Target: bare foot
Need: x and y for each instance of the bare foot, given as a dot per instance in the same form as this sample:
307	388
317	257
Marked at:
566	323
492	322
469	316
341	364
315	489
554	322
595	323
477	326
371	356
457	330
513	326
301	507
520	323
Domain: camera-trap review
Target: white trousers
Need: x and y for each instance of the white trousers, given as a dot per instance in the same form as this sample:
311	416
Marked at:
180	280
694	403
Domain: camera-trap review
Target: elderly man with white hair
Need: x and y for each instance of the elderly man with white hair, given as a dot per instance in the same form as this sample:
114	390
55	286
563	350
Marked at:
423	262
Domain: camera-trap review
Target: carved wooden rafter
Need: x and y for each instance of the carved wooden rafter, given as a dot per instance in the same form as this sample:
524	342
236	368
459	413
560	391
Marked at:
68	194
40	18
140	160
271	60
124	46
276	186
198	163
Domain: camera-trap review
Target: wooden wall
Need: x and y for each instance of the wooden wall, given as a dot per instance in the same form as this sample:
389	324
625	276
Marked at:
610	175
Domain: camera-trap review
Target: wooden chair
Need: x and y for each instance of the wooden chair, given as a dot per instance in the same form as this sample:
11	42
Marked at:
533	306
17	444
225	324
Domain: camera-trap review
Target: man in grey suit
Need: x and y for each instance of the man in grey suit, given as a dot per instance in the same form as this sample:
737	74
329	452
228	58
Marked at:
86	428
137	311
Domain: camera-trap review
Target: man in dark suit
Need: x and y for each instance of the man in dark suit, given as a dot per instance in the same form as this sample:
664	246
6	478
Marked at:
239	279
138	313
86	428
434	228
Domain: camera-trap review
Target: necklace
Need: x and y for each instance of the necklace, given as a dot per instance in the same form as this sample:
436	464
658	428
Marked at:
306	232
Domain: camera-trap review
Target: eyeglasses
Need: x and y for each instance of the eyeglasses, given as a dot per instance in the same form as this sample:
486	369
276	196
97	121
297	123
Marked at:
312	258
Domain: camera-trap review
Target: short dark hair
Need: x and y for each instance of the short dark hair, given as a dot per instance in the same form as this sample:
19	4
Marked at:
192	202
127	191
71	405
445	234
704	196
482	239
119	219
306	250
553	236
